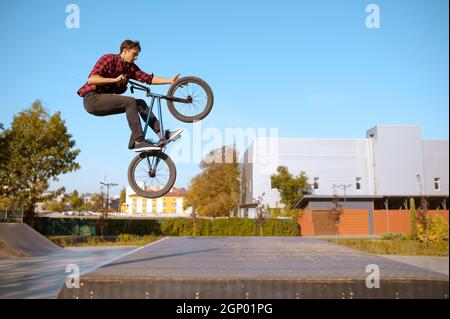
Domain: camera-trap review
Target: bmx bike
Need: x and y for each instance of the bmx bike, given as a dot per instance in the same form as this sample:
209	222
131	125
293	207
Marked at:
152	173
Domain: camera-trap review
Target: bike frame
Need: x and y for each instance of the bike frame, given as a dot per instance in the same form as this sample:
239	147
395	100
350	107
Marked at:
157	97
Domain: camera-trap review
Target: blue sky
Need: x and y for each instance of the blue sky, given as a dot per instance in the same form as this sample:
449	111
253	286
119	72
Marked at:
309	68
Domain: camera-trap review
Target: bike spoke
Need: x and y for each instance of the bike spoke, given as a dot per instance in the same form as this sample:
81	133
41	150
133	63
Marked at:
143	178
199	99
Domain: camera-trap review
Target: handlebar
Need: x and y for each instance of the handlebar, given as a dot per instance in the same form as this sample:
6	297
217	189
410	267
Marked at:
138	86
146	89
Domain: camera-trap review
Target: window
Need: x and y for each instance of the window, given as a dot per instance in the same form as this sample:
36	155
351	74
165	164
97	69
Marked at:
358	183
437	184
316	183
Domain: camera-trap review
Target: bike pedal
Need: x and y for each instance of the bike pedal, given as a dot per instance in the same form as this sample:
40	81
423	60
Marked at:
162	142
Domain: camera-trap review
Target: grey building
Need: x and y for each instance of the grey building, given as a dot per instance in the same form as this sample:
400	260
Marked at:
391	161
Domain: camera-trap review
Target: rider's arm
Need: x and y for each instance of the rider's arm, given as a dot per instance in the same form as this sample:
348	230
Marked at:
99	80
141	76
100	69
158	80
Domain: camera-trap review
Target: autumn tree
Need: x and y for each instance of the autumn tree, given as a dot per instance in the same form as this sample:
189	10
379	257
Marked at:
122	198
35	150
215	191
291	188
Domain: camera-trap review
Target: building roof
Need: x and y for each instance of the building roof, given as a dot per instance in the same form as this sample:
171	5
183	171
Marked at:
174	192
302	203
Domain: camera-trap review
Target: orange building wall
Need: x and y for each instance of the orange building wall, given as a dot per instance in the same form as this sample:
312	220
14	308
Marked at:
354	222
306	224
398	221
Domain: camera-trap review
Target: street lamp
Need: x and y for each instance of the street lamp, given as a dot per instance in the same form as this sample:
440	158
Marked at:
108	186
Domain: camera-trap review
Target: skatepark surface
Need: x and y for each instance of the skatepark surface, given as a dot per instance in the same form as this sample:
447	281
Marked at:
210	267
254	267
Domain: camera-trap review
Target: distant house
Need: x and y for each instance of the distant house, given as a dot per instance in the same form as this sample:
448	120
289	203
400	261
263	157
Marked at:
42	206
169	205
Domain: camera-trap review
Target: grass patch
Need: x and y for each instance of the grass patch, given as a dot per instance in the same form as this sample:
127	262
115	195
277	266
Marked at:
395	246
90	241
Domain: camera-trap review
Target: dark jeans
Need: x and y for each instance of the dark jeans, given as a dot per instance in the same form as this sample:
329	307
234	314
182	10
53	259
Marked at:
102	104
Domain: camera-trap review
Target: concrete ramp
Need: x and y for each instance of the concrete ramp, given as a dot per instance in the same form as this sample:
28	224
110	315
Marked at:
23	241
254	268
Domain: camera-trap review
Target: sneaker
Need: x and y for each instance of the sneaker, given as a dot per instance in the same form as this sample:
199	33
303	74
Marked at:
173	135
132	143
145	146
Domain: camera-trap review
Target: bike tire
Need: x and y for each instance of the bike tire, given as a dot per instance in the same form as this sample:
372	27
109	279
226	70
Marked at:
206	109
157	193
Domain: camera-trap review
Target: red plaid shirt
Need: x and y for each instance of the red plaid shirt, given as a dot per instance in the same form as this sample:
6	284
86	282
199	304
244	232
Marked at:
111	66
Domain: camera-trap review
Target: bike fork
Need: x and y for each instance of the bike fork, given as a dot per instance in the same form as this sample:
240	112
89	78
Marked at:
153	166
160	134
147	121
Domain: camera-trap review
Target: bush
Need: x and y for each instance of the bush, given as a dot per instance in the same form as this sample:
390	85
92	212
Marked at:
169	227
228	227
437	229
394	236
413	212
116	227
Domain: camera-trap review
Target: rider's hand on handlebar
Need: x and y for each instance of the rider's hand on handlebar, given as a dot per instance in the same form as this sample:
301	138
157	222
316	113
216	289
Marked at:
174	79
120	78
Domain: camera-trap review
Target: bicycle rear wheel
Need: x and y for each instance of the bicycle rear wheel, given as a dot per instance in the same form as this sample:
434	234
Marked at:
152	174
202	99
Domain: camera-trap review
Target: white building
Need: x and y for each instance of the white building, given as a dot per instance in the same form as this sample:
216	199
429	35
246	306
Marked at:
391	161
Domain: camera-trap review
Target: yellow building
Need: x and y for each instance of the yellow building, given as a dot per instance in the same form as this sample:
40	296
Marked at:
169	205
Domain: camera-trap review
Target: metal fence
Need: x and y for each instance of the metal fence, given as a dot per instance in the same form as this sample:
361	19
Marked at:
11	216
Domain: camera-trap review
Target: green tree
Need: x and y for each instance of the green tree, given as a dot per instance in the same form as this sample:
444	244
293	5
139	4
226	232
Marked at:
291	188
262	213
75	201
412	205
98	201
56	206
35	150
5	155
122	198
215	191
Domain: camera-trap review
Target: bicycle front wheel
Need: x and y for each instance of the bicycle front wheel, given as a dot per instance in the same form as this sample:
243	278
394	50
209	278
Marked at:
197	92
152	174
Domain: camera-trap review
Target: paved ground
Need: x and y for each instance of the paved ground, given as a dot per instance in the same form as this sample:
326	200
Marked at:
178	259
253	257
181	265
43	276
436	264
